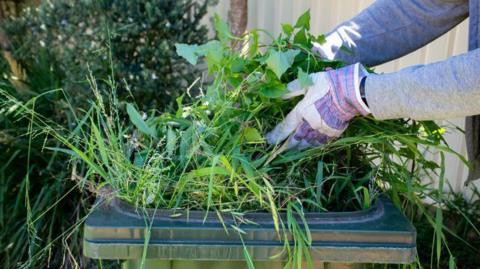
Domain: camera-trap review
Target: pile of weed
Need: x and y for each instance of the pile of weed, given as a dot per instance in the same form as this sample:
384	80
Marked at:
210	154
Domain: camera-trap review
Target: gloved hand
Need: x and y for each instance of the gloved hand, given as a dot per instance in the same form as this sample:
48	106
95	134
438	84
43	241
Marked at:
324	112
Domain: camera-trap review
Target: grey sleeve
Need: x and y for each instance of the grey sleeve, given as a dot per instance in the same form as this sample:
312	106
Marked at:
389	29
441	90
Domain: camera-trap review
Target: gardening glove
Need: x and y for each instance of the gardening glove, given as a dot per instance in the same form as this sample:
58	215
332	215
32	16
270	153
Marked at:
325	110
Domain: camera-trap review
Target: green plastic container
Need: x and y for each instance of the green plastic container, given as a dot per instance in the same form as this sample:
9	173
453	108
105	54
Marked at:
116	230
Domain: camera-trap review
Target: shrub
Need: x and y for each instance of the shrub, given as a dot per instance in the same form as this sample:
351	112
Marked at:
134	37
57	45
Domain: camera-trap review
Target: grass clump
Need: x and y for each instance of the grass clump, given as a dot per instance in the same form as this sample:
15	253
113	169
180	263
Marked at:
461	219
42	204
210	154
41	208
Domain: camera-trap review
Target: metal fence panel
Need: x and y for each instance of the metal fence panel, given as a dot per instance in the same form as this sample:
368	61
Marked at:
326	14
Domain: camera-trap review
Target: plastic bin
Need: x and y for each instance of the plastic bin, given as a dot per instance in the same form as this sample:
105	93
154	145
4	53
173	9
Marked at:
116	230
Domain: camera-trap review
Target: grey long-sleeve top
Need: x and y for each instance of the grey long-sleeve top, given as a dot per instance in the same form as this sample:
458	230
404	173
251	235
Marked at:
389	29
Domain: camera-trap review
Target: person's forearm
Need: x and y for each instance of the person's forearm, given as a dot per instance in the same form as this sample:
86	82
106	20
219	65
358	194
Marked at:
441	90
389	29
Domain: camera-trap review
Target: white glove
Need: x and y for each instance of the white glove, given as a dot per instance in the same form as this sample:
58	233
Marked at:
324	112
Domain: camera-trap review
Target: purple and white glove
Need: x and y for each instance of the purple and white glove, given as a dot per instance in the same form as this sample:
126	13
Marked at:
325	110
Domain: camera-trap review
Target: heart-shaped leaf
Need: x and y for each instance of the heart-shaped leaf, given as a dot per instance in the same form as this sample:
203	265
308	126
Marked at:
279	61
304	79
188	52
304	21
252	135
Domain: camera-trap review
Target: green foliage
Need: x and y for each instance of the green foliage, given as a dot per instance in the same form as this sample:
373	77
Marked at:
279	61
303	21
462	219
40	206
131	39
210	154
304	79
188	52
43	204
138	121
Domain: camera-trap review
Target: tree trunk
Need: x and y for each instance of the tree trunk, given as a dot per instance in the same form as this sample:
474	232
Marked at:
10	8
238	16
3	38
17	75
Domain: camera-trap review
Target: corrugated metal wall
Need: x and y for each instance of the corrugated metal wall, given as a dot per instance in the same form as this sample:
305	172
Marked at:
326	14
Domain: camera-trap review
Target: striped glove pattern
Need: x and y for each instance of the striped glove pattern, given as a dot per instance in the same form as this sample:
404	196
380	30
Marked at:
325	111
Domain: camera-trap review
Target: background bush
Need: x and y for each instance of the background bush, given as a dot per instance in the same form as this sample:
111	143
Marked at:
58	45
135	37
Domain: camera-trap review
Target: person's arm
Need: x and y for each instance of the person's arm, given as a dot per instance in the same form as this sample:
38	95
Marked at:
441	90
390	29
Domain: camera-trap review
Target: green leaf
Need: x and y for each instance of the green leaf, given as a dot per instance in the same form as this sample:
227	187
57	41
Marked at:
246	254
252	135
451	263
301	38
279	61
137	120
77	153
304	79
287	29
210	183
319	181
238	65
139	160
212	51
254	77
186	139
321	39
171	141
179	101
188	52
304	21
208	171
222	29
438	228
366	198
253	48
102	147
66	151
273	90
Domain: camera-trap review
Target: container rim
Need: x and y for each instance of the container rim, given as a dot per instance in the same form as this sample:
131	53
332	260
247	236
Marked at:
265	218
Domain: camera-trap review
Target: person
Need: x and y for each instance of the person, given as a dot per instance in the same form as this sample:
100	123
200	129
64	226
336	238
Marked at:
386	30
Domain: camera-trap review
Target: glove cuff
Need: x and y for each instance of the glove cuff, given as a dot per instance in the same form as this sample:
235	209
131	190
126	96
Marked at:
346	82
